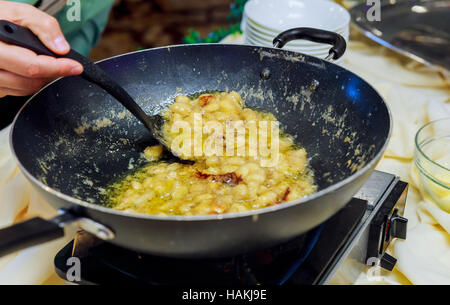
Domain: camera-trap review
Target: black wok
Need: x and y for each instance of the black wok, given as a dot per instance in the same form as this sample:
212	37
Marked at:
72	139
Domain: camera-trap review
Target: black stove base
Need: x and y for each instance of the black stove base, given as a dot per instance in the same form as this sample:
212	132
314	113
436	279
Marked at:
303	260
359	233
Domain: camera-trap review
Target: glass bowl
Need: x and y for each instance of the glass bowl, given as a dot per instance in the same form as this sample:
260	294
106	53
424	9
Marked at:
432	160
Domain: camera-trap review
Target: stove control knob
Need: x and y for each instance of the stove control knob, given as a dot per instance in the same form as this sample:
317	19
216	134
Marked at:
388	262
398	226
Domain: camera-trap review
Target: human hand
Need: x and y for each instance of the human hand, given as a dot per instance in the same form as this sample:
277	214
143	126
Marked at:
22	71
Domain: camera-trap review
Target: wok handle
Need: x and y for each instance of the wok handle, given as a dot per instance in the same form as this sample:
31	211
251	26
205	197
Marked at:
14	34
337	41
38	230
27	234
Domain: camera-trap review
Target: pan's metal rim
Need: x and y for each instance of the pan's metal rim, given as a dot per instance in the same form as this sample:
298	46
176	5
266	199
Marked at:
252	213
357	9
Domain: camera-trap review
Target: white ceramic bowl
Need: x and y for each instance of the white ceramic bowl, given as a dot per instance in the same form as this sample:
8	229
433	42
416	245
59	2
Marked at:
270	32
300	43
249	27
280	15
322	48
263	37
321	54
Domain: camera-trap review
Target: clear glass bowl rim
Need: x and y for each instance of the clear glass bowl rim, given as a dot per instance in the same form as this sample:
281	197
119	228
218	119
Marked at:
419	149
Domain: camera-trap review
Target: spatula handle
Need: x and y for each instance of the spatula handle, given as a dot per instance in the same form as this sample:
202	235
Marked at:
20	36
14	34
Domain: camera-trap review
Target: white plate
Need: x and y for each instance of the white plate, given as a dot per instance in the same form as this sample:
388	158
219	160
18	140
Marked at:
252	30
321	54
248	22
280	15
253	33
321	48
324	50
296	43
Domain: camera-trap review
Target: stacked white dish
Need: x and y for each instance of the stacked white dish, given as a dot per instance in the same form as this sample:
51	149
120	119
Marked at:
263	20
